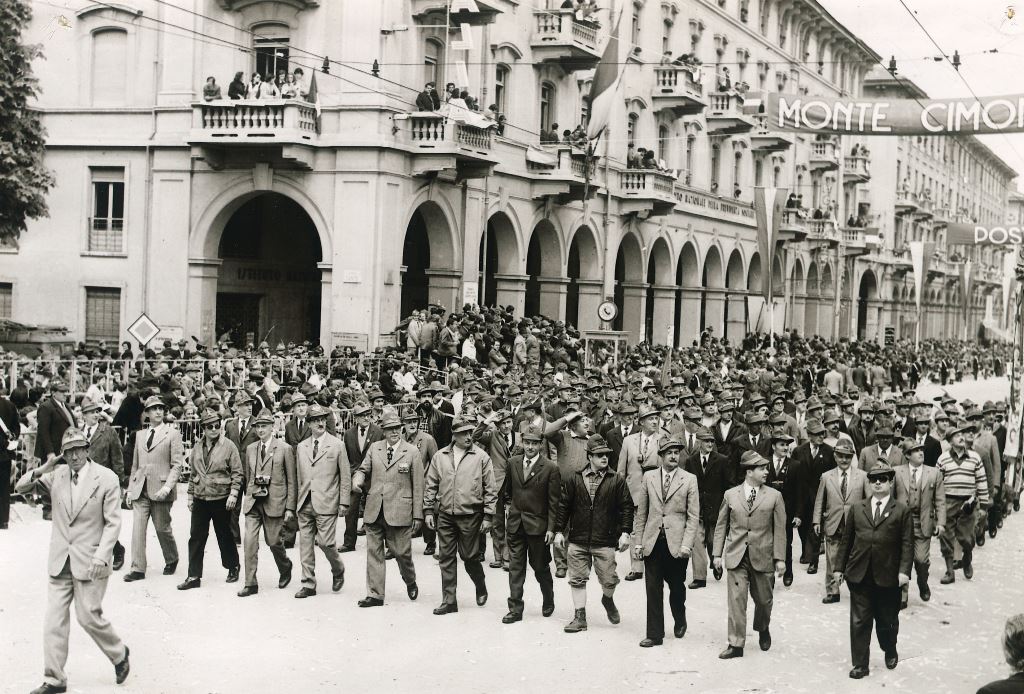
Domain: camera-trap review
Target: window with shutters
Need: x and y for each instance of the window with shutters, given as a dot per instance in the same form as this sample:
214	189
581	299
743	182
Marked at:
109	67
431	61
6	299
547	105
501	73
106	224
102	314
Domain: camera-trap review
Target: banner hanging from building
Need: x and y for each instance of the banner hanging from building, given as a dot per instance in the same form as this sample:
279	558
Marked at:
799	113
966	285
768	206
920	258
1009	280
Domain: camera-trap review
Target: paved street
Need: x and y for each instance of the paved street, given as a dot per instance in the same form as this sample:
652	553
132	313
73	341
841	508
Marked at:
179	641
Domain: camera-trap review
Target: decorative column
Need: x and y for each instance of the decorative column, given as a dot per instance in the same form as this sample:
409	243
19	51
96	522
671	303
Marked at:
736	326
689	316
445	288
552	296
634	308
664	315
511	290
591	296
326	303
714	309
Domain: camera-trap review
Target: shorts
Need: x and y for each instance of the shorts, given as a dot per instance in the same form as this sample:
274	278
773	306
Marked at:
581	558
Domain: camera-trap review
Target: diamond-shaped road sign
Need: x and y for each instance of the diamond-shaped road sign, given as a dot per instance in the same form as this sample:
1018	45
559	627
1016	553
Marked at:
143	329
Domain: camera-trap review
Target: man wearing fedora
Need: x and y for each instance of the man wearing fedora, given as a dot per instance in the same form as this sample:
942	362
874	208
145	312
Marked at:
640	454
437	412
392	475
85	527
713	475
156	464
813	458
460	482
787	477
241	433
104	449
53	418
358	439
530	491
269	501
324	489
596	510
666	523
875	554
920	487
839	489
750	541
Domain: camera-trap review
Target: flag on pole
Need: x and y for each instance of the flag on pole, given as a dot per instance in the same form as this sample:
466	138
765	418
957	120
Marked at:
1009	280
768	206
966	285
313	97
920	258
605	85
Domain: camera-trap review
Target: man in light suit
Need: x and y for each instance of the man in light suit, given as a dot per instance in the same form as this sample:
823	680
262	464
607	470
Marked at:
496	435
357	438
269	501
104	449
882	450
530	492
241	433
324	489
750	540
297	430
921	488
875	556
838	490
85	527
156	464
53	417
665	523
394	507
640	454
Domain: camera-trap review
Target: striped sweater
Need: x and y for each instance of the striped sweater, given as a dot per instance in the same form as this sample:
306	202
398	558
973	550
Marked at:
964	476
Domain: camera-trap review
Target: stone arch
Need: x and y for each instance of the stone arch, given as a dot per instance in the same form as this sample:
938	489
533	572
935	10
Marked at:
429	273
660	297
867	306
712	308
811	302
687	295
499	262
545	288
736	298
583	270
629	284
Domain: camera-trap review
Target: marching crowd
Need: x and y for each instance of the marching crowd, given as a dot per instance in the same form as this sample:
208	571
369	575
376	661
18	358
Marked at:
708	459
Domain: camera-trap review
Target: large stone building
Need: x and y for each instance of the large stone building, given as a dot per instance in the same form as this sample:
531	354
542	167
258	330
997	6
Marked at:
295	221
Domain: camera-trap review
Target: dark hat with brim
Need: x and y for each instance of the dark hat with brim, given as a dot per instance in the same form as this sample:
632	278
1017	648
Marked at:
881	469
596	445
752	459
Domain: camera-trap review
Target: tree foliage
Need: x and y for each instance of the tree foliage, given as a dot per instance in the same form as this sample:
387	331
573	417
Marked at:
24	180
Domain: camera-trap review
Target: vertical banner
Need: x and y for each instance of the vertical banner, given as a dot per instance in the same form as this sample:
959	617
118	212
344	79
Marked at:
966	285
768	206
1009	279
920	258
605	86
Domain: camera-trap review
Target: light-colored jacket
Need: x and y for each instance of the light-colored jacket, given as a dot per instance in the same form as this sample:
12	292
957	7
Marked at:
870	456
324	480
759	531
829	506
931	494
158	465
678	513
395	488
631	466
217	476
279	463
461	491
83	531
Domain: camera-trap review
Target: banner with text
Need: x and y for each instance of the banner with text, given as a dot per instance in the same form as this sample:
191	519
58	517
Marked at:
958	233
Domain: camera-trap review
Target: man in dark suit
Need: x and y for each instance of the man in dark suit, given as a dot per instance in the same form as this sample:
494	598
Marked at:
10	430
53	418
931	445
713	474
875	555
728	434
754	439
623	427
436	412
240	432
787	476
814	457
530	492
357	438
497	437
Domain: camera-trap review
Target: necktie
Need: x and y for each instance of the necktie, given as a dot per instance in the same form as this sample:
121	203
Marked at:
878	509
244	426
149	441
814	452
526	467
704	464
666	483
750	499
643	447
842	487
510	440
74	478
302	423
689	440
316	447
263	451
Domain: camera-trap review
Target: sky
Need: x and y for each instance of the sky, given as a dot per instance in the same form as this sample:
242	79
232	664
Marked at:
972	27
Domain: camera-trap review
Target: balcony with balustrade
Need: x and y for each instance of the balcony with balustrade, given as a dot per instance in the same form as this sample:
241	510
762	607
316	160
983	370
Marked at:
923	212
940	215
906	201
561	173
824	155
445	147
940	266
762	139
822	232
676	91
793	226
989	275
228	133
858	241
558	37
856	168
645	192
725	115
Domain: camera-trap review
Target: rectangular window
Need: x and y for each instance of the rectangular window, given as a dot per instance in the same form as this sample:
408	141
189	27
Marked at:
109	67
106	225
547	103
102	314
270	45
500	81
6	299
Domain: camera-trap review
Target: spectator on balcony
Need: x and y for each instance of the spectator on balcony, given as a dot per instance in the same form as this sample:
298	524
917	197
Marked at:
666	58
428	100
632	157
281	79
492	112
579	137
567	137
289	90
724	81
855	151
791	202
471	103
501	124
450	92
852	221
237	89
302	89
548	137
266	89
648	161
211	90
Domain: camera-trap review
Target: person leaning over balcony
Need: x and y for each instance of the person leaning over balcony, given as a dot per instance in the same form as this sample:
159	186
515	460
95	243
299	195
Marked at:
237	88
211	90
301	88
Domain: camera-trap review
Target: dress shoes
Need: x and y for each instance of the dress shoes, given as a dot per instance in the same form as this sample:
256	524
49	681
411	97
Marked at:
992	531
512	618
731	652
610	609
190	583
495	564
248	590
858	673
968	571
429	550
695	584
118	562
812	569
648	643
717	573
829	599
892	658
337	582
285	578
305	592
445	608
548	608
679	631
134	576
413	591
958	564
47	688
787	580
980	539
361	532
170	568
122	669
559	573
370	602
634	575
947	578
346	548
926	593
232	575
764	639
481	595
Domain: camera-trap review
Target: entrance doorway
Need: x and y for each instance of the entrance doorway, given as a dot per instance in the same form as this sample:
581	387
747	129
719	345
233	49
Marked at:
238	317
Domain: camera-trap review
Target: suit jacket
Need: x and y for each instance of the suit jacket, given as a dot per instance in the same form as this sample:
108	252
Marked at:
325	481
812	470
156	466
883	550
9	413
51	423
830	507
759	532
931	494
396	488
614	438
711	485
763	447
789	480
678	512
356	453
105	449
85	530
293	434
631	467
241	439
869	457
488	438
279	464
729	446
532	501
